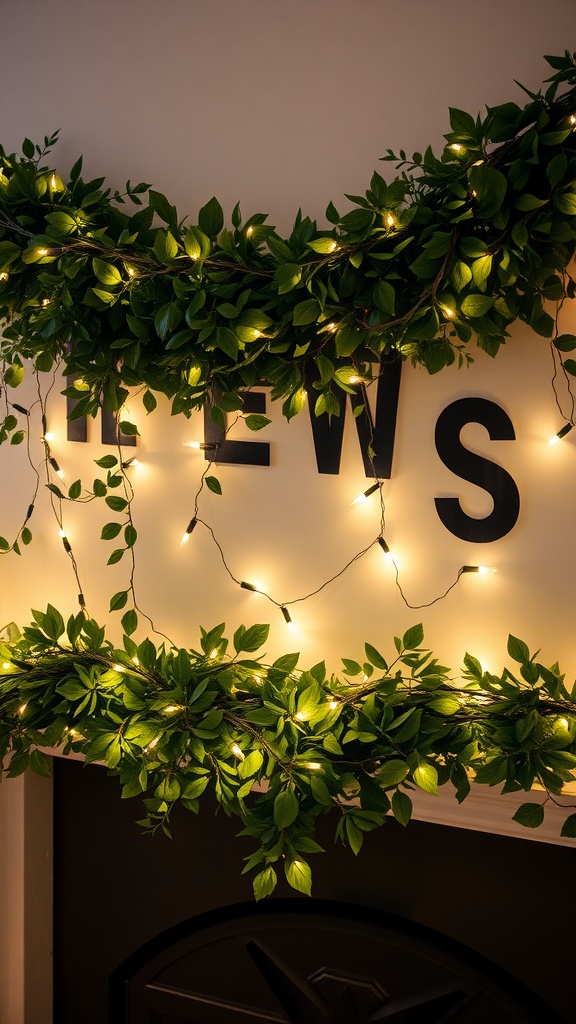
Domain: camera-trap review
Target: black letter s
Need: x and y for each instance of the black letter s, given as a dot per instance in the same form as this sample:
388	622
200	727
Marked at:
477	470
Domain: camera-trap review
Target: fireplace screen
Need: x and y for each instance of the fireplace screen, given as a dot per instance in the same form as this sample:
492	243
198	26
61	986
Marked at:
314	962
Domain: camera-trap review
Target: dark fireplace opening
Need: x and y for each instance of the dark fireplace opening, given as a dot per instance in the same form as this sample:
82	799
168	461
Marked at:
315	962
509	901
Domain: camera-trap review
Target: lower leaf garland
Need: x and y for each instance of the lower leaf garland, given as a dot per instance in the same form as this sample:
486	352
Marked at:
278	746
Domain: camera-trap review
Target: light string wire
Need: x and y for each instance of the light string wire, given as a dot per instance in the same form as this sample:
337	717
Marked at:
558	366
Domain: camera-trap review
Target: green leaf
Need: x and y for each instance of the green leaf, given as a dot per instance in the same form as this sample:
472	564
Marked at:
569	827
251	639
287	277
476	305
566	203
106	272
211	218
375	658
348	338
481	270
116	555
565	342
162	207
129	621
115	503
14	375
213	484
107	461
426	777
110	531
462	124
251	765
264	883
385	297
130	535
168	789
298	875
413	637
445	705
256	422
323	245
529	815
461	275
285	808
305	312
149	401
528	202
392	772
40	764
9	251
401	807
490	187
118	601
197	244
130	429
517	649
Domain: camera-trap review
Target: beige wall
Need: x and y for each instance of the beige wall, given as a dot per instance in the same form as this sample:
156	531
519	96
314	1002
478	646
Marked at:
286	105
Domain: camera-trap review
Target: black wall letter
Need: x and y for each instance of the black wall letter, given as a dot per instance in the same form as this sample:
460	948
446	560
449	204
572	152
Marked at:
328	434
240	453
477	470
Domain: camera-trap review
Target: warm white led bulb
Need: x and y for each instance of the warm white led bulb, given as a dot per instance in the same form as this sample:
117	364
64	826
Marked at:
237	751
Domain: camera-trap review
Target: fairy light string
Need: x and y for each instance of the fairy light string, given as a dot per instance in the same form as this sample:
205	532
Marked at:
52	466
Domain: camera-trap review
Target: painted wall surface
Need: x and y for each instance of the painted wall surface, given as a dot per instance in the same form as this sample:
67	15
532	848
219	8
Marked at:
283	106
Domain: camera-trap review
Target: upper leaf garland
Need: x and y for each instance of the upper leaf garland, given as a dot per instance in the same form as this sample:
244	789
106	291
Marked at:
174	724
452	248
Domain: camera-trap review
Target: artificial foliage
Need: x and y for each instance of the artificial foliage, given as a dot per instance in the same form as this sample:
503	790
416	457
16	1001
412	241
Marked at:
453	249
278	746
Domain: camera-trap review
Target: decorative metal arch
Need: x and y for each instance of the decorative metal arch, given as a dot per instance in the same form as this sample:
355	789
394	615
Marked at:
315	962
